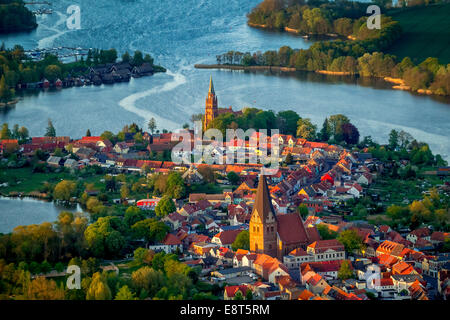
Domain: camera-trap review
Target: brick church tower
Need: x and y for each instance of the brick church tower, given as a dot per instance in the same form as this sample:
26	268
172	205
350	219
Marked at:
211	109
263	222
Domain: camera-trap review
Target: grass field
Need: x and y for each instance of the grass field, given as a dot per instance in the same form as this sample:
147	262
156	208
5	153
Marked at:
426	33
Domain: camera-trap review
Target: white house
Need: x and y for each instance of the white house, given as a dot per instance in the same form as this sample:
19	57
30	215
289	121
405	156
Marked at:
170	244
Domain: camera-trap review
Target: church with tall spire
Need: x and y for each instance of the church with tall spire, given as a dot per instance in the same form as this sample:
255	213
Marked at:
212	109
276	234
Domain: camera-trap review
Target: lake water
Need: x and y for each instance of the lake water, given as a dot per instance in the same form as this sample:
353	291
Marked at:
180	34
25	211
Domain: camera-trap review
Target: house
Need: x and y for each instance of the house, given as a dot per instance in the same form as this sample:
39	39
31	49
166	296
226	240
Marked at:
403	282
229	273
431	265
390	248
325	250
70	164
364	179
275	270
316	283
175	219
231	291
401	267
170	244
225	238
121	148
55	162
414	235
85	153
212	198
8	146
439	237
384	287
192	176
190	209
202	248
327	269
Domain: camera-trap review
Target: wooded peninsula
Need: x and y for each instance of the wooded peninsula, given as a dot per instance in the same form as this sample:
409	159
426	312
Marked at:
361	52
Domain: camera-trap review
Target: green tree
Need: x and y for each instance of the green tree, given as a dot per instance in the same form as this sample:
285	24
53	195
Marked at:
138	59
133	215
152	125
125	294
242	241
52	72
141	256
50	132
98	289
233	177
104	237
289	158
325	233
147	279
345	271
165	206
324	133
351	240
126	57
151	230
303	211
335	123
5	93
393	139
305	129
64	190
5	133
238	296
287	122
124	192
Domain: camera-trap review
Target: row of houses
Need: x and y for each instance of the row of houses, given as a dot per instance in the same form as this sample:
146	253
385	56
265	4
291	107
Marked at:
101	74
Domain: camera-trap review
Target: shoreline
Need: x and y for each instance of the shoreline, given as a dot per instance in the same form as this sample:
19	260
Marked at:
293	31
244	68
398	84
9	103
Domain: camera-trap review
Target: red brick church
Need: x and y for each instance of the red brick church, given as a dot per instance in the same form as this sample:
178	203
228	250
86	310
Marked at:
276	235
211	109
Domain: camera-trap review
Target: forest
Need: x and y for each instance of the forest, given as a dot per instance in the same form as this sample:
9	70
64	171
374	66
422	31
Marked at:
15	17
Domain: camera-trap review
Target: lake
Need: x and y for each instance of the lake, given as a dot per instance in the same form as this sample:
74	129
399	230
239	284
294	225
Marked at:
25	211
179	34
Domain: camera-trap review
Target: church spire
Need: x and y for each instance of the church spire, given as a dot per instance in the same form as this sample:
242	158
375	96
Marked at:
211	86
263	202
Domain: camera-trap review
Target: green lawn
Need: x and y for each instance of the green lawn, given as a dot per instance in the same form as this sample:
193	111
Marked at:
426	33
24	180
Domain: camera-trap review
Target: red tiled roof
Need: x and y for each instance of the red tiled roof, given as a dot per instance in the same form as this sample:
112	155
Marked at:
324	245
228	236
232	290
171	240
291	229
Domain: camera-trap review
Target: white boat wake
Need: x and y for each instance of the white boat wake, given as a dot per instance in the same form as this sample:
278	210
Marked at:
48	41
129	103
